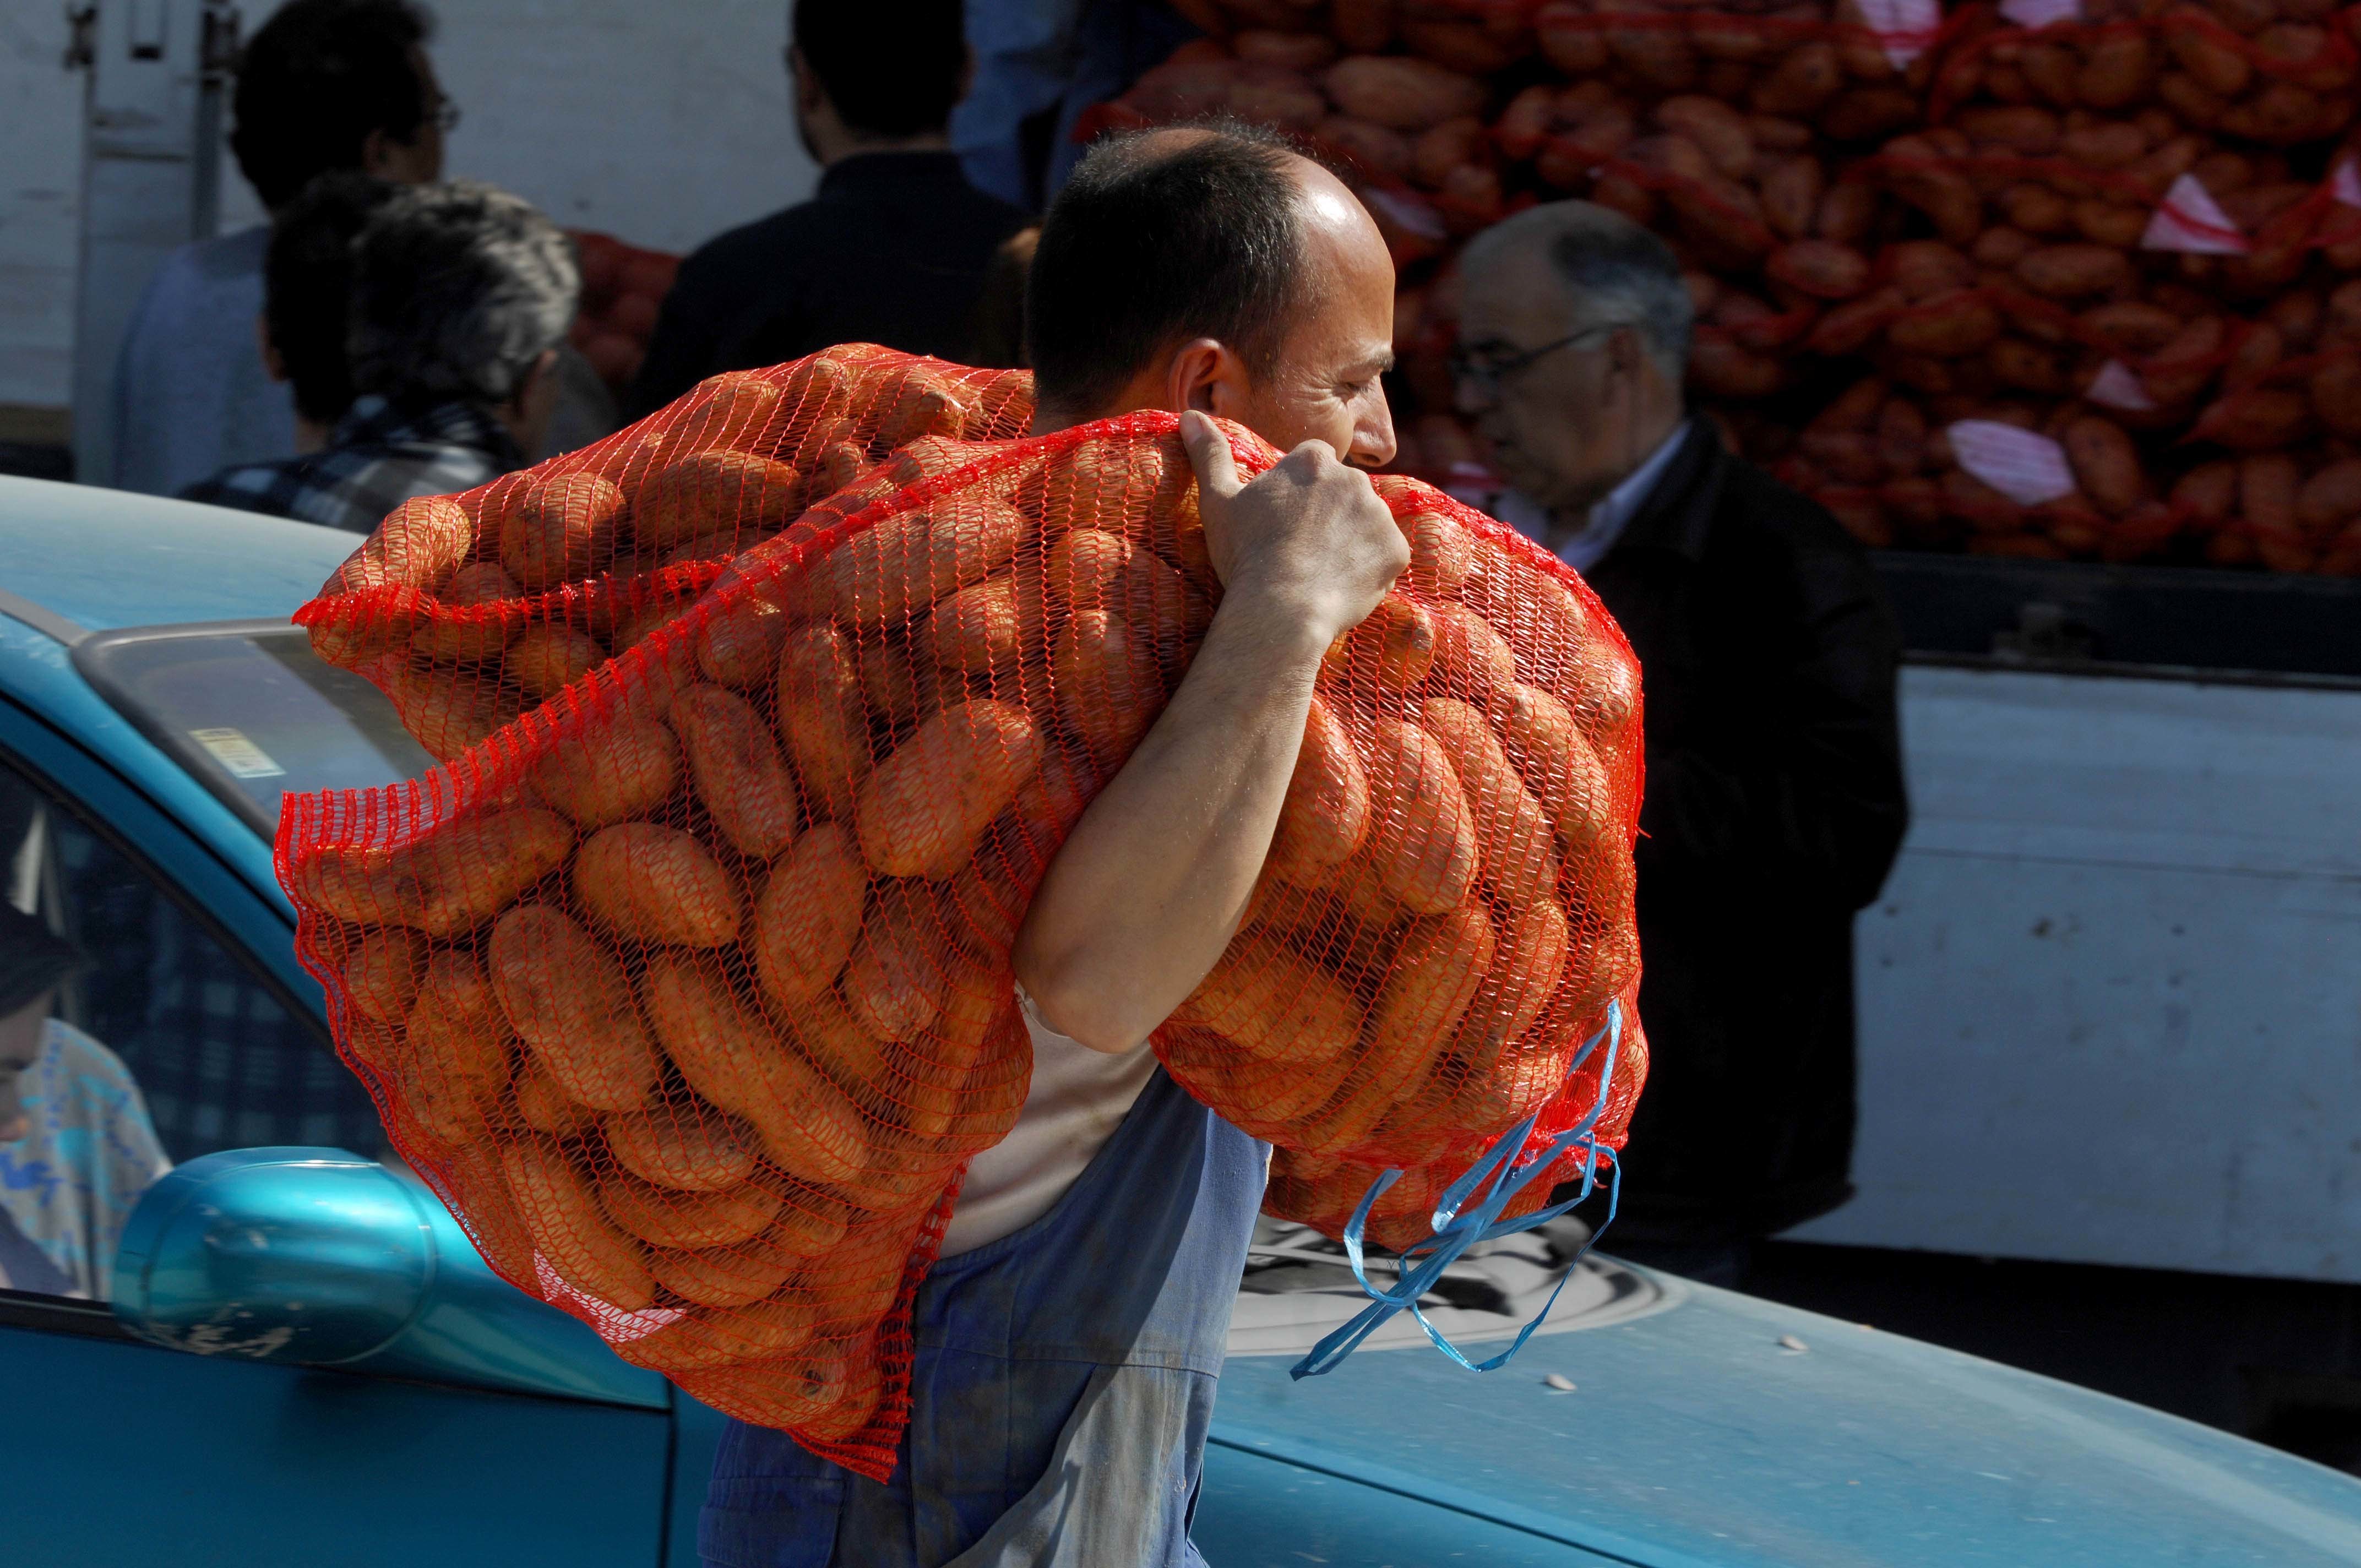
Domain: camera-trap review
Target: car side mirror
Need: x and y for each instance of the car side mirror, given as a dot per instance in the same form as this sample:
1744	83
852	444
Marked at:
318	1257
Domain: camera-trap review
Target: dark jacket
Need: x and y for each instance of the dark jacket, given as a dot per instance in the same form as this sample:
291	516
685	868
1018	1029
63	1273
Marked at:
1773	808
892	249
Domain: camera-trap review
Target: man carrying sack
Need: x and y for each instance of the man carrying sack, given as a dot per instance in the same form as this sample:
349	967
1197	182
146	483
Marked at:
903	842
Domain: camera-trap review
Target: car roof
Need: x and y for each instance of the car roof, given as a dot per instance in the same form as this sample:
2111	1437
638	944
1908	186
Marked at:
103	559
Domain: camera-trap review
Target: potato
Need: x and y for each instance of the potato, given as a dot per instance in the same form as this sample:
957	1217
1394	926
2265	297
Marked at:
1274	1004
745	786
1424	848
1949	327
690	1148
1086	566
1518	986
1436	973
421	545
1518	860
733	493
720	1276
1821	268
646	882
2334	394
1442	553
559	530
2268	485
547	658
570	1230
809	915
448	712
766	1332
1392	647
1470	659
1531	609
624	767
815	1397
664	1216
2328	499
1602	688
822	718
454	1062
2074	271
1400	94
730	1055
922	403
1327	811
2104	463
454	877
895	980
542	1105
468	639
740	646
381	974
565	997
974	631
924	809
1557	764
891	570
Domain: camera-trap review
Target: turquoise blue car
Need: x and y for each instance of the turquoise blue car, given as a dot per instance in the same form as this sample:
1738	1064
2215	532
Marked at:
300	1361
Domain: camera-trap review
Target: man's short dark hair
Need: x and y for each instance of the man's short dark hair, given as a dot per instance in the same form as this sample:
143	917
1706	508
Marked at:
458	288
893	68
315	79
1155	241
308	286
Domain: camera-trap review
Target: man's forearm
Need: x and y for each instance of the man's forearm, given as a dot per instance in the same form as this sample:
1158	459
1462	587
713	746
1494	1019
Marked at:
1151	884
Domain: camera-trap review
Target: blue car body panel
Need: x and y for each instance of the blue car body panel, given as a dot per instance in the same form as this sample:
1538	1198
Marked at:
1693	1437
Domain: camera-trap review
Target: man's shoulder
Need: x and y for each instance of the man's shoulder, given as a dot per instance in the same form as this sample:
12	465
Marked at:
1755	503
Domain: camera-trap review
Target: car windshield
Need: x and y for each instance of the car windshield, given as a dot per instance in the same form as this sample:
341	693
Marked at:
250	713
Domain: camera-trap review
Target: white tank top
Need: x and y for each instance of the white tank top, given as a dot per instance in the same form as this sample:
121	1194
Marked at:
1078	1098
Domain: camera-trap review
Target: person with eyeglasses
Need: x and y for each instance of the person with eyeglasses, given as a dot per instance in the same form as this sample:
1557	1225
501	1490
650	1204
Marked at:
323	86
1776	799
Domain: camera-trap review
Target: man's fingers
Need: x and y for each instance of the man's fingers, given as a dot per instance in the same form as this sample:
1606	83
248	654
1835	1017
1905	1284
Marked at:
1209	453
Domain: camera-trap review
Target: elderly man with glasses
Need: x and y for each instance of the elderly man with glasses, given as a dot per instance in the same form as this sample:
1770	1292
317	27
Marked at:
1774	795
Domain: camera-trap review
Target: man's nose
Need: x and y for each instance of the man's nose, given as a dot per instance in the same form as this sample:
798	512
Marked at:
1373	437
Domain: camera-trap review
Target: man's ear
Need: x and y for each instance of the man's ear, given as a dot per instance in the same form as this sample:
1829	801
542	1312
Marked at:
273	362
1206	375
805	81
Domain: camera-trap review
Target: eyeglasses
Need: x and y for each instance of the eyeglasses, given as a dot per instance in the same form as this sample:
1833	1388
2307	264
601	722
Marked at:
1485	372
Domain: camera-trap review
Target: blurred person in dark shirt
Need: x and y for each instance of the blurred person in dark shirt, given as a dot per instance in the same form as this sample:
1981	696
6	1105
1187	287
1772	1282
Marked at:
461	295
1774	801
322	86
894	246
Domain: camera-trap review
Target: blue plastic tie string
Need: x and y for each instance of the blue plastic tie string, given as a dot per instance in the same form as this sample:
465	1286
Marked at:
1510	1169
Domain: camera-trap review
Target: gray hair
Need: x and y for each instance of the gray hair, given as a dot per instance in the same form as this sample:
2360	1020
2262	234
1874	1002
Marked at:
1615	272
458	288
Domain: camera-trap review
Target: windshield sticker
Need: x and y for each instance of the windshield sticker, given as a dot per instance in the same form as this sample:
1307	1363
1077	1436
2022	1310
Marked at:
239	757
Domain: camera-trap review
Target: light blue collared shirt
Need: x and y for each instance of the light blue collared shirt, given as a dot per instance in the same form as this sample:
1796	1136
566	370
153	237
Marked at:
1608	517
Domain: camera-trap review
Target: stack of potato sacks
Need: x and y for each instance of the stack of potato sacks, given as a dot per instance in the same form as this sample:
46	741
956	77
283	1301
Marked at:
686	981
2113	246
624	288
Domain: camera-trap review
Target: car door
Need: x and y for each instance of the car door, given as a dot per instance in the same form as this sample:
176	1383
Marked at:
119	1452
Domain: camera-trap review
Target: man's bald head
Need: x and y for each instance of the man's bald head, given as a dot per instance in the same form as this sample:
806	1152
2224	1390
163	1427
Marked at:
1161	236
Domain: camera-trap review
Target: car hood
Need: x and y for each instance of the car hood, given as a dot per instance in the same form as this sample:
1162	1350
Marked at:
1708	1428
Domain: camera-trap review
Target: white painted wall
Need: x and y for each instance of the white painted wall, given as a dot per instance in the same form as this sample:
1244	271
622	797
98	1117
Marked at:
662	124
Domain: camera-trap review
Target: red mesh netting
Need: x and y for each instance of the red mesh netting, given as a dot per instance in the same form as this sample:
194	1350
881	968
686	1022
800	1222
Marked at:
685	980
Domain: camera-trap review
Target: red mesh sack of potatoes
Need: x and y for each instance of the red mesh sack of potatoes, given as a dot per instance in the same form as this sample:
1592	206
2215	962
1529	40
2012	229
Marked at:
688	988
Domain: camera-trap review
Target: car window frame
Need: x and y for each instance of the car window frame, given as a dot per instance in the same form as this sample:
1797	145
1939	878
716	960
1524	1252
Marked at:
66	1314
